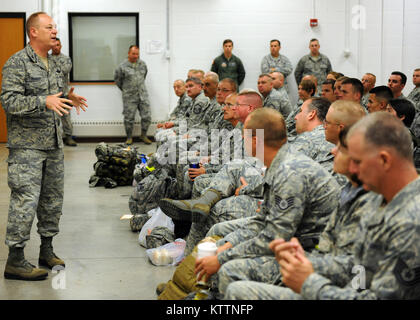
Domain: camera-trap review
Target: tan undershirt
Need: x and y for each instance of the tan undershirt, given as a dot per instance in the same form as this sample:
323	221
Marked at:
44	61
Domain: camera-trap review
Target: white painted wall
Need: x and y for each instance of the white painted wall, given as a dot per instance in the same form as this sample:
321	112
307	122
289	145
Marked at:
197	28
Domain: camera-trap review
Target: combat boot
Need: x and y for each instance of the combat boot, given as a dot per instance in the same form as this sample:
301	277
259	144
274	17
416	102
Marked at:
195	210
160	288
145	139
47	257
18	268
129	141
68	141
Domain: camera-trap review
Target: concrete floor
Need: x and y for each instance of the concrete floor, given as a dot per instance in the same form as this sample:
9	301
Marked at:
102	255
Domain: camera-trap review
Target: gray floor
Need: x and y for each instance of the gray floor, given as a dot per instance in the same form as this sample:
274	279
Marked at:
102	255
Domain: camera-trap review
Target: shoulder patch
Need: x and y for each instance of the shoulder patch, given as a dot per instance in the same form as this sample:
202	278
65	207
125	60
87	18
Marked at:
284	204
406	276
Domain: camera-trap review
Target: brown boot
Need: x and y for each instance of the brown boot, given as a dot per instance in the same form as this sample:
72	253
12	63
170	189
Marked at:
17	268
47	257
68	141
145	139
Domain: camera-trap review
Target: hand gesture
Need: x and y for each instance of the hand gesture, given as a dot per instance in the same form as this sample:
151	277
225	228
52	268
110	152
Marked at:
77	101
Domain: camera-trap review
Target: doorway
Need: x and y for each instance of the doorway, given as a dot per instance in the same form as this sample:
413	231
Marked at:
12	38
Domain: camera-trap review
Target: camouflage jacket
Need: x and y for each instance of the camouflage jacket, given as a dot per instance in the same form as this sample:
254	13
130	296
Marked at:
184	102
130	78
307	65
386	252
66	65
279	102
414	96
25	87
281	64
313	144
299	197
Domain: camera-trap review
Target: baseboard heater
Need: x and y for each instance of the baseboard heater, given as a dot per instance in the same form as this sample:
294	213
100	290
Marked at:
95	128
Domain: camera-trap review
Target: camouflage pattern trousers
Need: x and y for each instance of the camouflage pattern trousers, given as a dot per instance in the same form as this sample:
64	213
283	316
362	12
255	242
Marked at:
252	290
36	181
67	125
129	113
263	269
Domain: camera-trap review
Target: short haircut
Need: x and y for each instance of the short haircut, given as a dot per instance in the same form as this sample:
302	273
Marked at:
382	129
418	69
280	73
228	41
382	93
342	135
57	38
313	79
329	81
313	39
275	40
342	78
356	84
213	76
273	124
336	74
33	21
402	75
180	80
133	46
231	82
308	86
256	97
321	106
265	75
195	80
404	107
347	112
372	75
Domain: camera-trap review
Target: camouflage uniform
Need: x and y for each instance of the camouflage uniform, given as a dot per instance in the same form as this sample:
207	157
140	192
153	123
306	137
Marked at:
229	68
184	102
414	96
35	163
364	101
130	78
309	65
278	102
66	65
281	64
299	196
313	144
159	237
226	181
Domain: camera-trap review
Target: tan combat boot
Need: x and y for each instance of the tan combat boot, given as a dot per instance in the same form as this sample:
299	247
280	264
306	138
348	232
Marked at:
17	268
195	210
47	257
145	139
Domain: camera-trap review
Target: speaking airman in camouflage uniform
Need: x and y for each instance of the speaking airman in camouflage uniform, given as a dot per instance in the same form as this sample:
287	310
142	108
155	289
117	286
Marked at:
130	77
31	90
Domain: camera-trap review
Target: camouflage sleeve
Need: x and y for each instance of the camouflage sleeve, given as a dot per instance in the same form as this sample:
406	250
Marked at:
329	67
285	107
118	77
334	267
265	68
390	280
287	67
241	72
281	216
299	71
13	98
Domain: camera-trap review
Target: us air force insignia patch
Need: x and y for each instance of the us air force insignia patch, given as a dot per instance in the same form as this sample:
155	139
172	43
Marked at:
284	204
406	276
224	65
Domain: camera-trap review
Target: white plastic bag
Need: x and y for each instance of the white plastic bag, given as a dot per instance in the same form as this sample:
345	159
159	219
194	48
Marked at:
168	254
158	218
